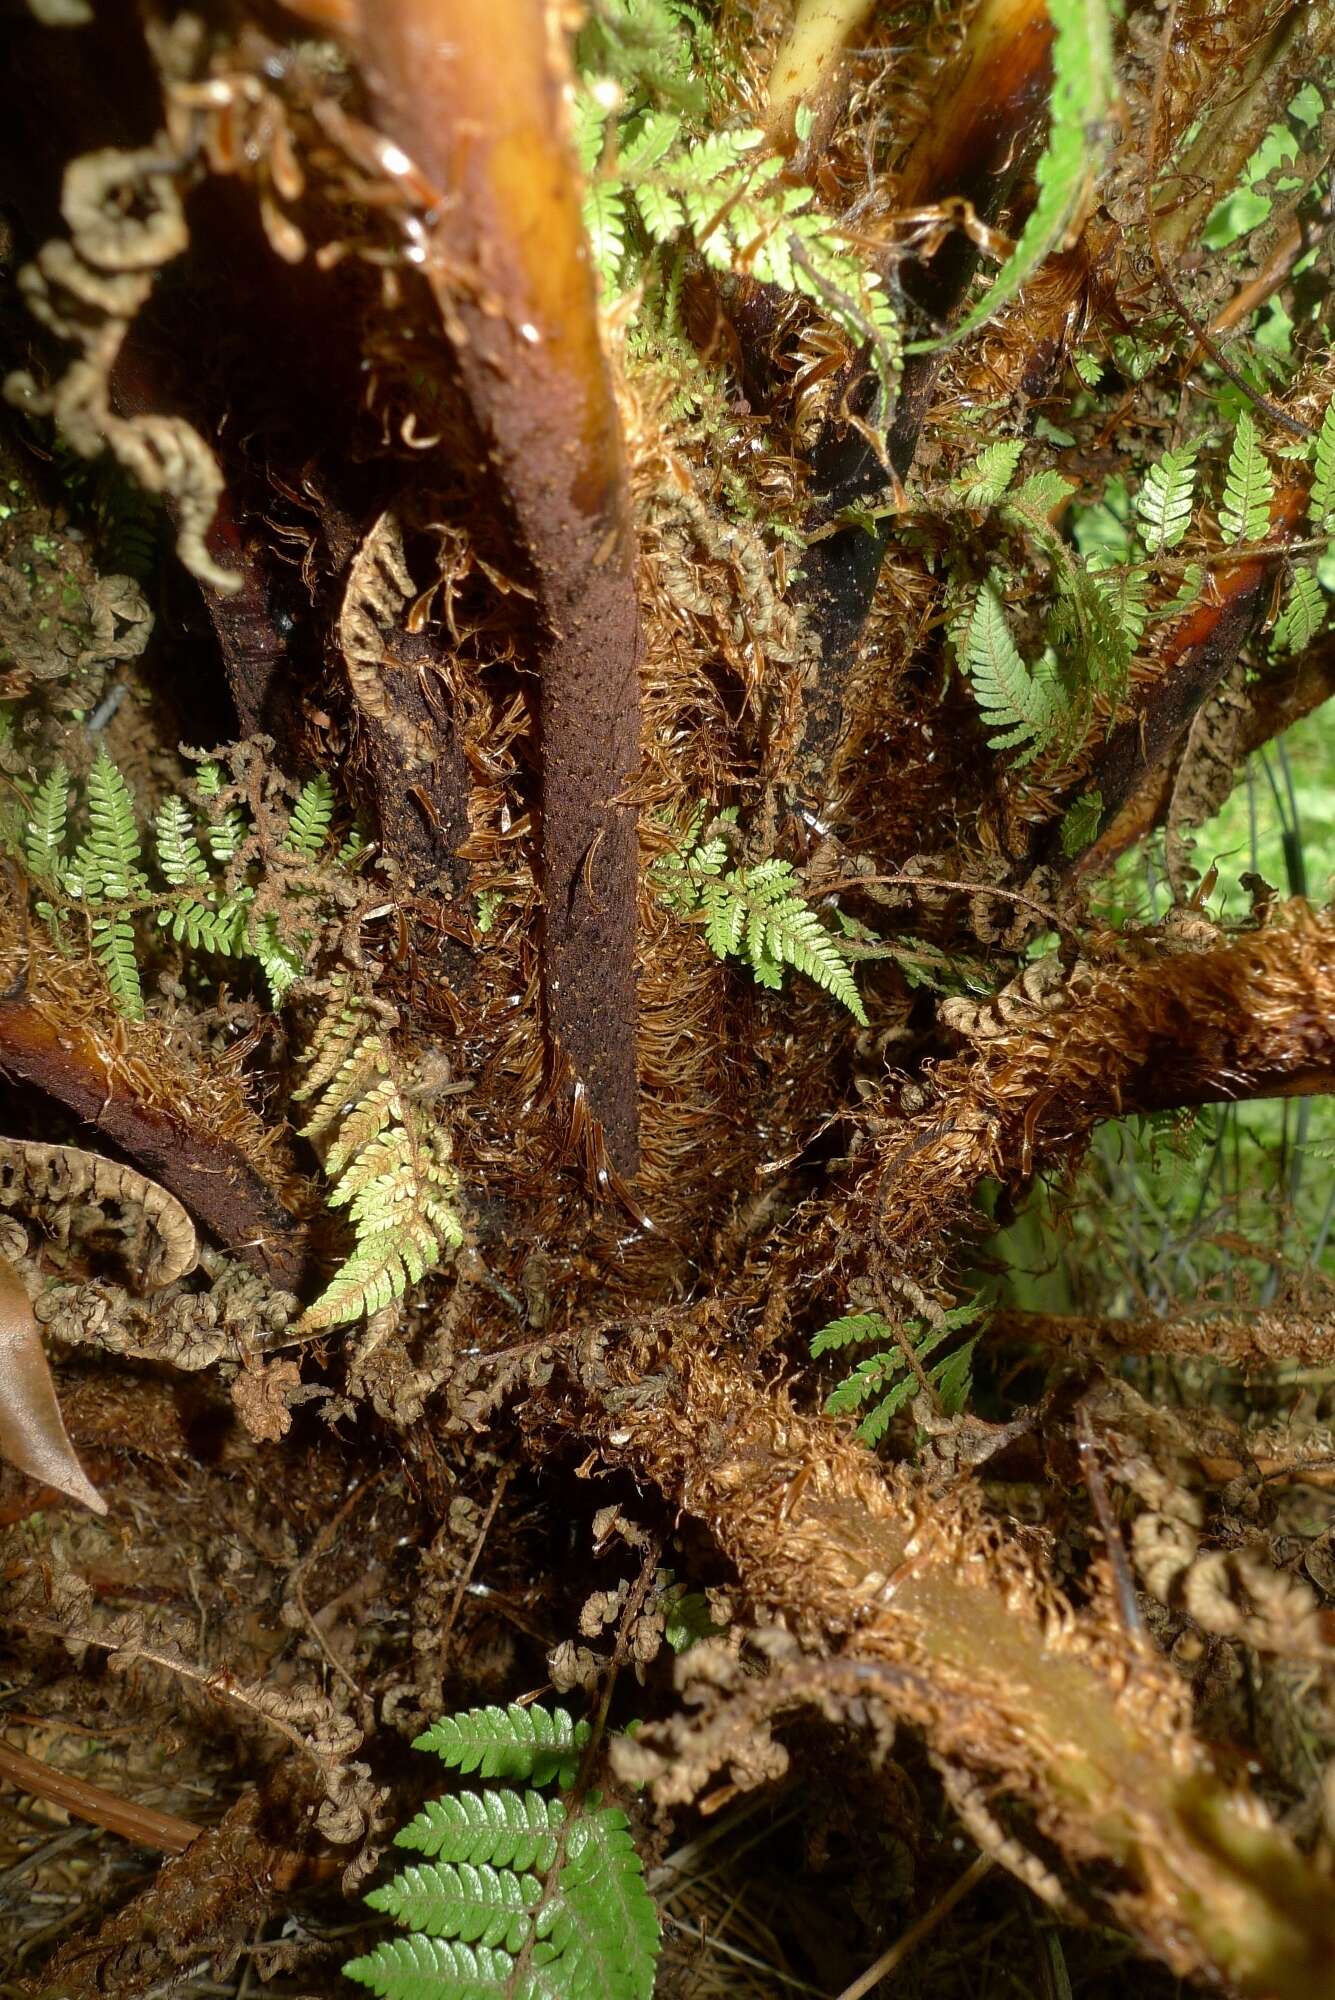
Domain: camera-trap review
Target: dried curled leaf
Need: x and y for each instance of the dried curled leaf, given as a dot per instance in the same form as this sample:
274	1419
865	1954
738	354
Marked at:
32	1431
34	1173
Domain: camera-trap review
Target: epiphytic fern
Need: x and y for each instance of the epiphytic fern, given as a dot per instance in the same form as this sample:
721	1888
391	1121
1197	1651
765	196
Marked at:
388	1160
1024	707
759	914
1249	487
893	1375
104	882
523	1896
1303	612
657	178
1164	500
1083	89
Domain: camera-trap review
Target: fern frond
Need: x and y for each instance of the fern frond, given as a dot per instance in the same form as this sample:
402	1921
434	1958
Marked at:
178	850
885	1379
1249	487
423	1968
1023	708
1164	500
486	1906
210	926
983	482
107	861
1303	612
281	963
308	827
113	948
513	1873
1321	501
1080	823
44	833
533	1744
388	1163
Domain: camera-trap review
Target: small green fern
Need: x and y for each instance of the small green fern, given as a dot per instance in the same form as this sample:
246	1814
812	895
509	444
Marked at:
1303	612
1024	707
759	914
523	1896
1321	501
1165	499
658	179
104	879
887	1379
387	1159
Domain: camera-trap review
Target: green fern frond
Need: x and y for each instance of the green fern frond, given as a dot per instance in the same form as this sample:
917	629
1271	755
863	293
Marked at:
388	1163
1164	500
1249	487
308	827
1321	500
983	482
504	1829
44	833
1024	708
513	1873
758	913
178	850
1080	823
281	963
1083	90
1303	612
113	948
106	863
886	1380
210	926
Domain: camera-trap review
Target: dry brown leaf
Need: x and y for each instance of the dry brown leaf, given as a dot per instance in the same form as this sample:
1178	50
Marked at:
32	1431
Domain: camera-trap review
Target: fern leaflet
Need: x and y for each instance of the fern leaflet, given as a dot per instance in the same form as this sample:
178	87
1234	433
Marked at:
1249	487
514	1872
760	914
1321	501
1164	501
983	482
311	815
1303	612
106	863
44	833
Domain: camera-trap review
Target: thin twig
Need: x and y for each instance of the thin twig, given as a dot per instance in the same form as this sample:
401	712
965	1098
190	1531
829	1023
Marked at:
896	1953
472	1562
163	1831
1049	916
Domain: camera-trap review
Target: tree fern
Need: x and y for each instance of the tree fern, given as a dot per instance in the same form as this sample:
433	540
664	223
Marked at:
759	914
387	1160
1249	487
522	1895
887	1379
1024	708
1083	89
1164	500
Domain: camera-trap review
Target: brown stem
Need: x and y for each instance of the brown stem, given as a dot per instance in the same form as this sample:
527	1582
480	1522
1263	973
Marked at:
100	1808
69	1061
471	90
1252	1015
945	1621
1261	1339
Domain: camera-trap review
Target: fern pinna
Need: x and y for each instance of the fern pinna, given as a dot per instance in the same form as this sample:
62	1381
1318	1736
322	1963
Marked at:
758	914
522	1896
387	1158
